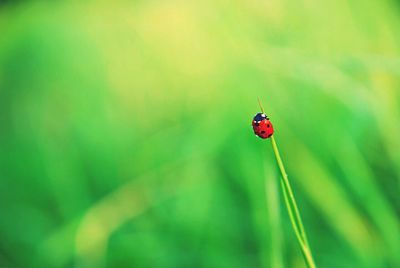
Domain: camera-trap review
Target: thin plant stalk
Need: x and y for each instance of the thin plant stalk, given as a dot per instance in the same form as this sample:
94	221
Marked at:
293	211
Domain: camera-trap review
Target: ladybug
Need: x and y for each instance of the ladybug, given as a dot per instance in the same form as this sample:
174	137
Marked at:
262	126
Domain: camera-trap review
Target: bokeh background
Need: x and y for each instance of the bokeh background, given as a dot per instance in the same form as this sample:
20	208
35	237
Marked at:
125	136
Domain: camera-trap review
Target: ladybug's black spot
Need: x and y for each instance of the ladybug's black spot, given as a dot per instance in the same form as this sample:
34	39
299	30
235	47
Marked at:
268	125
262	132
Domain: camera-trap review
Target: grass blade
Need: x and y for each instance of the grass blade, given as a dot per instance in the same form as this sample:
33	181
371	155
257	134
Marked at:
293	210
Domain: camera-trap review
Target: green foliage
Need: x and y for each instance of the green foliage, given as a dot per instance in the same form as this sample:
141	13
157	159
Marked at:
125	135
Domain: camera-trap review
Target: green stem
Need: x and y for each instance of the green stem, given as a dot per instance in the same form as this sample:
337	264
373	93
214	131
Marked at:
293	210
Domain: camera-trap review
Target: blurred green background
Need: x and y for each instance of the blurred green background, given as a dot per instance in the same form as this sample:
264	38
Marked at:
126	140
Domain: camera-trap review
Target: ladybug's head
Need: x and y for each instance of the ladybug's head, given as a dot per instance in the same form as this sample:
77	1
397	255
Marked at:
259	117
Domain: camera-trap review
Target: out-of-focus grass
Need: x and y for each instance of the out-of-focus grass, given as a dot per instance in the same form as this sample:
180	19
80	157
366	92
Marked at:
126	142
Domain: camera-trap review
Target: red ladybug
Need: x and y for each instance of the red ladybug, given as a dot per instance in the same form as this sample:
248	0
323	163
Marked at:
262	126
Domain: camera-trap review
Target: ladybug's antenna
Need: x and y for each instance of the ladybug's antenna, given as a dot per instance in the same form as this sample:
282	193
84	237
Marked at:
259	103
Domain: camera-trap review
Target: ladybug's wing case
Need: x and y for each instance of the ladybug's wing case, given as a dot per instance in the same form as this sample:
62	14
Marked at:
264	129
